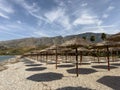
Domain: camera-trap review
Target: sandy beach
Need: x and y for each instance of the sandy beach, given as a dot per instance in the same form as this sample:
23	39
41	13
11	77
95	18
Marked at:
34	75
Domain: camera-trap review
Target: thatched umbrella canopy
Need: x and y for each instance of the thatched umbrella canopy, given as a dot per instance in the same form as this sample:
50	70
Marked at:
81	50
115	37
44	52
26	54
107	45
74	44
55	47
104	44
65	51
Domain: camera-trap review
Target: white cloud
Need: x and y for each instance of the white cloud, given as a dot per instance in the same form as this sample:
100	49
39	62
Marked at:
7	30
87	19
110	29
110	8
5	6
11	33
84	4
105	16
65	22
19	22
58	16
53	15
39	33
69	1
33	9
5	9
113	31
95	27
4	16
17	29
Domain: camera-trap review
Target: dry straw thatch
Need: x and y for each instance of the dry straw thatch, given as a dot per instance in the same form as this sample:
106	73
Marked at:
115	37
105	44
76	42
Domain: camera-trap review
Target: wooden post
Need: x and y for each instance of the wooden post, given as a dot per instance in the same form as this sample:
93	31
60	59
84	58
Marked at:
66	57
70	57
51	57
30	56
56	55
108	57
112	55
40	57
37	57
94	54
98	55
76	54
81	58
46	57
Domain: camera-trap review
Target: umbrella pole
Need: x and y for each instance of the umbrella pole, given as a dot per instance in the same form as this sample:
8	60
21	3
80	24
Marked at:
80	57
51	57
41	57
98	56
112	55
70	57
56	57
94	55
76	61
37	57
108	58
46	57
66	57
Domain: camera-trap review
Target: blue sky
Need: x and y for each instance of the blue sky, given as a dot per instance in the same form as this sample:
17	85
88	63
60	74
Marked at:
41	18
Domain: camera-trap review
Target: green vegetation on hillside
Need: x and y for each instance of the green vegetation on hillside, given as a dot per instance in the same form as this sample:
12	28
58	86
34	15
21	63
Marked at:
19	51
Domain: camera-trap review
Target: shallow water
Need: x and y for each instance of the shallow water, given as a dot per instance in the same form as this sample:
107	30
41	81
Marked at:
4	58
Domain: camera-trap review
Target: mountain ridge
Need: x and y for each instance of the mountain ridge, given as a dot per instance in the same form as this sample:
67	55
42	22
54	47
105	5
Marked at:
47	41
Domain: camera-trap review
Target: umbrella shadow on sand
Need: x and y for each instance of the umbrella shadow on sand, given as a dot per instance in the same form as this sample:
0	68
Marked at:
116	64
45	77
26	61
34	65
103	67
73	88
82	71
65	66
110	81
36	69
98	62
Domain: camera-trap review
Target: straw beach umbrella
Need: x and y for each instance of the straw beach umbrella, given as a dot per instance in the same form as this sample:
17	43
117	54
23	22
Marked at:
65	51
74	44
115	37
81	50
55	47
106	45
45	52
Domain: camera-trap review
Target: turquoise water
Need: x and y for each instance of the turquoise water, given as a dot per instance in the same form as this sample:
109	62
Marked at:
4	58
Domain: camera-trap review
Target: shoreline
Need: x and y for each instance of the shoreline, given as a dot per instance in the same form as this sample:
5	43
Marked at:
4	63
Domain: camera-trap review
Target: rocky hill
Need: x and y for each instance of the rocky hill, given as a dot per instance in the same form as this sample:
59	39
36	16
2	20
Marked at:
46	41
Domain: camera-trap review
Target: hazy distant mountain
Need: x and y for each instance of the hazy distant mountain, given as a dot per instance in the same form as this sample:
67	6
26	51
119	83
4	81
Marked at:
47	41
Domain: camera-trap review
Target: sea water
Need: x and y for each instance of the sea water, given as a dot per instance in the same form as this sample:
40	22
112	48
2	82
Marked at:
5	58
